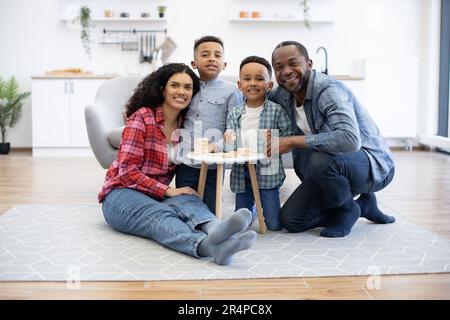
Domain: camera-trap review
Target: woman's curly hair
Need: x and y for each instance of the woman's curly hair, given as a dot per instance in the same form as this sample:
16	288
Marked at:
149	92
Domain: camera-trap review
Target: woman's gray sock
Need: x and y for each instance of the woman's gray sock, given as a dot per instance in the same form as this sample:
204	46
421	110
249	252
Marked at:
223	252
207	227
222	230
220	243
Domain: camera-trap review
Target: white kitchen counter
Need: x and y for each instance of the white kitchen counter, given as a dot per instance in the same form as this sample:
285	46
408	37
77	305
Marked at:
75	76
345	77
233	78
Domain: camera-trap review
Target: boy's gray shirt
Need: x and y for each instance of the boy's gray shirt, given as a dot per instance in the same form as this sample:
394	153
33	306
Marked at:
339	123
211	105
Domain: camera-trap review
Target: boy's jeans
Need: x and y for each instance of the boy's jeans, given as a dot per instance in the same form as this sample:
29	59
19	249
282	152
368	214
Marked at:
186	176
171	222
270	201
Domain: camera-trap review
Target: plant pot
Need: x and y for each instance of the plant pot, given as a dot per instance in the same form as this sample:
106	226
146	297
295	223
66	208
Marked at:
4	148
161	14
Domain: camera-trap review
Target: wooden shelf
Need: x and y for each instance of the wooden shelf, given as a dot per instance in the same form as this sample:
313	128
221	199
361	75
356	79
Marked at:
256	20
102	19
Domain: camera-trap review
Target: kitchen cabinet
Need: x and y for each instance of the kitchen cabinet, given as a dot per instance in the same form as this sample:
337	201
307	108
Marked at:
58	124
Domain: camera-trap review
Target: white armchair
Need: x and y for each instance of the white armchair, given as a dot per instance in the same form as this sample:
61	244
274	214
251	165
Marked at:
104	120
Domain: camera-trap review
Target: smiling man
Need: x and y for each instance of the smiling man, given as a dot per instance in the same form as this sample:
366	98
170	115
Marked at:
337	148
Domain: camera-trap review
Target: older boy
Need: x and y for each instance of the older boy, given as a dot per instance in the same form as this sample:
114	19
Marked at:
208	112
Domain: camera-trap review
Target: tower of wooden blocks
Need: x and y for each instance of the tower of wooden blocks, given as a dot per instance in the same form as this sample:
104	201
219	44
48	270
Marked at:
201	145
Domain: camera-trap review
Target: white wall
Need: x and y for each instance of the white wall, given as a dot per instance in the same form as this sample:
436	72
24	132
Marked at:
34	39
430	38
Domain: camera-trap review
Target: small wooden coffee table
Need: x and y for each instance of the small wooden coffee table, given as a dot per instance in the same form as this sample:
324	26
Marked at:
220	160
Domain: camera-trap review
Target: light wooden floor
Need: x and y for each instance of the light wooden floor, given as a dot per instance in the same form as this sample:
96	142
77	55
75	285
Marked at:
420	191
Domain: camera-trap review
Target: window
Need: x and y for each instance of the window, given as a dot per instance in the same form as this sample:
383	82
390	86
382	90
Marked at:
444	71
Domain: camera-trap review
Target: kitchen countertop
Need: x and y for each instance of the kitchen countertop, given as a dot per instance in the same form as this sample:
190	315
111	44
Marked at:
346	77
234	78
89	75
68	75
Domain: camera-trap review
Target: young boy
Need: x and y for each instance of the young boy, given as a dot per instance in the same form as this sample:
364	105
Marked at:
209	110
245	123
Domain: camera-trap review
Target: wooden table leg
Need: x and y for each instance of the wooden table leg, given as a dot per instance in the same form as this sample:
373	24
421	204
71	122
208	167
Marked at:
219	191
202	179
255	188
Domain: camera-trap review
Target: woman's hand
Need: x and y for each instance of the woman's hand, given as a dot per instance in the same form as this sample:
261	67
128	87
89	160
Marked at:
172	192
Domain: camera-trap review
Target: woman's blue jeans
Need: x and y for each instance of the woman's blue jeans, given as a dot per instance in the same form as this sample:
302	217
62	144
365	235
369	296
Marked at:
171	222
186	176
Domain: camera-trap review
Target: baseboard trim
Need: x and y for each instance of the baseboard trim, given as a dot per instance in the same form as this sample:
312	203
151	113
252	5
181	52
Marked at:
62	152
435	141
414	148
22	149
422	147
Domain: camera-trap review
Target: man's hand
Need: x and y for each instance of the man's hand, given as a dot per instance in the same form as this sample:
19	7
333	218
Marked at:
172	192
285	144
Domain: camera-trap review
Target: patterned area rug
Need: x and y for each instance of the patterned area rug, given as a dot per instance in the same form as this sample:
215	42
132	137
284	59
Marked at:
72	241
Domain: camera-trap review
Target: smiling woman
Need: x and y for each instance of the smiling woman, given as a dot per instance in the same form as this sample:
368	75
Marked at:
151	91
177	93
136	197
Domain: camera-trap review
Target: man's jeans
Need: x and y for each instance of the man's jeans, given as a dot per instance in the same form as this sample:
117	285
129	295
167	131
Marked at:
327	182
171	222
186	176
270	201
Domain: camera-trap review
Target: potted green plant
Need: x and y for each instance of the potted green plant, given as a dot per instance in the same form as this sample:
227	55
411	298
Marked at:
305	8
161	11
11	101
86	23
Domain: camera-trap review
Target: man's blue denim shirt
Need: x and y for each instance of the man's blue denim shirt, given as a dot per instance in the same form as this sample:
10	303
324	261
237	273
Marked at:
338	121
